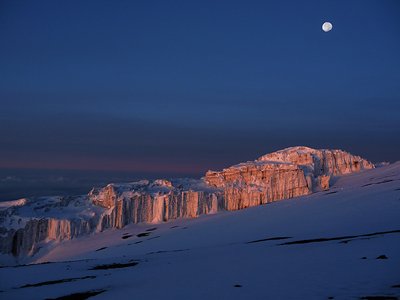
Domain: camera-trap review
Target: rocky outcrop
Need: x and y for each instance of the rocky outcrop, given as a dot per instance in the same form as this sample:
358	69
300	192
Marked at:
27	224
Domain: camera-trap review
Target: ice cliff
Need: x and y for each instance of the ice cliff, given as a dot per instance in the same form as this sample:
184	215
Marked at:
28	224
284	174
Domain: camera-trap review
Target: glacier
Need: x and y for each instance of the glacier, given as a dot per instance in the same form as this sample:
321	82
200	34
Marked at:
27	225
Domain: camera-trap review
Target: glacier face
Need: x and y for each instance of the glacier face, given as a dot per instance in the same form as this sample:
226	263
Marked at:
27	224
284	174
320	162
24	228
154	202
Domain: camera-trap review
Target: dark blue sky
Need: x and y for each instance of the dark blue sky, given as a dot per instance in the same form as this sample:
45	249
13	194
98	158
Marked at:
179	87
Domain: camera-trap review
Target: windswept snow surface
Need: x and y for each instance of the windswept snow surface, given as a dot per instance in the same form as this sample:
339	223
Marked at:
342	243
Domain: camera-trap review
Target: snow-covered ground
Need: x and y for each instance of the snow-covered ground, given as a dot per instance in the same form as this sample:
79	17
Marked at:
339	244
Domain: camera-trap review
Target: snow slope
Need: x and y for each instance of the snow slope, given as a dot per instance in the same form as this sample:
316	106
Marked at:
342	243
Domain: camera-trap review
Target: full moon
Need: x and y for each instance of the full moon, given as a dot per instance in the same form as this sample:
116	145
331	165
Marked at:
327	26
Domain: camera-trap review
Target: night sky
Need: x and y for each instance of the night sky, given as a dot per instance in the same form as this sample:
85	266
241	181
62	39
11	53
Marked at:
174	88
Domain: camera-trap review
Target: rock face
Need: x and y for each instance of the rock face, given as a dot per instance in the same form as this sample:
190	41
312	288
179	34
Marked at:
27	224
